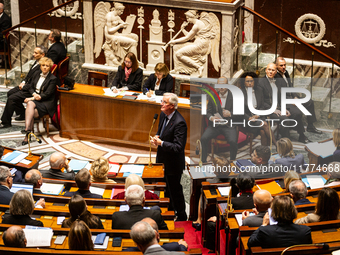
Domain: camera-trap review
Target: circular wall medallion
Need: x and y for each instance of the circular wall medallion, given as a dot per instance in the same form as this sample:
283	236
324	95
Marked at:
310	28
68	13
155	54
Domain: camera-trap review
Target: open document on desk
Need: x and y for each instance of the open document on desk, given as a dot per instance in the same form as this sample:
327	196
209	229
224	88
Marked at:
323	150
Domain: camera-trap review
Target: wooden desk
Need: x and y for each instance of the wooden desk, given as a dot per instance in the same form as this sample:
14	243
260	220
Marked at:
86	113
35	159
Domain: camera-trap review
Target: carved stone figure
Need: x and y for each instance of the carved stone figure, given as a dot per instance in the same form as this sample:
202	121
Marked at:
108	22
190	57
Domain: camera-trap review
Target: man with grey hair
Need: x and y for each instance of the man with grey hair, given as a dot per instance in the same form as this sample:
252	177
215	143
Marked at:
220	111
170	140
6	181
134	197
34	177
58	163
262	201
298	192
14	237
146	239
333	173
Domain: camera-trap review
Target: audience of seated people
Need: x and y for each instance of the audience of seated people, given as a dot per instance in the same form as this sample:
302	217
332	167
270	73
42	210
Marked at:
333	173
147	239
336	141
181	245
285	233
327	207
298	192
14	236
135	198
58	163
83	181
262	201
288	158
99	169
134	179
20	208
78	210
80	237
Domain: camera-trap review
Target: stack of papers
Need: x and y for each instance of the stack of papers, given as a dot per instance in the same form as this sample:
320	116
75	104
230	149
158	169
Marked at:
37	236
98	191
314	181
224	191
76	165
51	188
14	157
132	169
101	246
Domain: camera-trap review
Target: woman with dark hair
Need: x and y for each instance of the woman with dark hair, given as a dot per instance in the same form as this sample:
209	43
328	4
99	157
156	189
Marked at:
129	75
327	207
78	210
20	208
244	199
159	82
254	123
288	158
80	237
285	233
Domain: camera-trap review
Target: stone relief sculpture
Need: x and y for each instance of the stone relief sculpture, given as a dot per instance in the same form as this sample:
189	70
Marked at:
191	57
107	23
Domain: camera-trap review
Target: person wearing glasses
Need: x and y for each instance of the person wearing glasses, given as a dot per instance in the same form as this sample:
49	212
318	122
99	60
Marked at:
159	82
6	181
129	75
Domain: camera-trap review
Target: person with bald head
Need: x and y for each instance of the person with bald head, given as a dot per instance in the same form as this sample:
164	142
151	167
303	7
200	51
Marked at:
58	163
267	84
218	111
262	201
34	177
14	237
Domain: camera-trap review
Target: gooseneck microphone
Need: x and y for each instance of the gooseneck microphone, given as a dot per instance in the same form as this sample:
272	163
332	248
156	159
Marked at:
153	122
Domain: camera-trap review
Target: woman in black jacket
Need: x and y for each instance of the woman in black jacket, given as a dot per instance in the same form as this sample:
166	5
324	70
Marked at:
159	82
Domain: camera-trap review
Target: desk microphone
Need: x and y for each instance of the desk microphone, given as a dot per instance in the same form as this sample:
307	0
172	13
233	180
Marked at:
153	122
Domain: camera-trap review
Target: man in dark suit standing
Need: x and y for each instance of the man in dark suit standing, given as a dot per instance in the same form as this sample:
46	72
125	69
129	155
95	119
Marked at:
218	111
58	162
282	76
83	180
135	198
14	94
57	50
170	140
5	23
6	181
267	84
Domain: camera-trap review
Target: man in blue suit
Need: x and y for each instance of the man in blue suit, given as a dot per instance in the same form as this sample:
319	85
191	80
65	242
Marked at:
170	140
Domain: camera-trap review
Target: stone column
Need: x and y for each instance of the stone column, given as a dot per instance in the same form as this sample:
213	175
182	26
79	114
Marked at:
248	22
15	14
88	31
228	20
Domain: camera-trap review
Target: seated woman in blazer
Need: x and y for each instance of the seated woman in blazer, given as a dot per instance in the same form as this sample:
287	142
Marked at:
42	88
159	82
129	75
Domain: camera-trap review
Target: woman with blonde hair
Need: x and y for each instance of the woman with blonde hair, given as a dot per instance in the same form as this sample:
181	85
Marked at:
134	179
289	177
159	82
80	237
336	141
288	159
99	169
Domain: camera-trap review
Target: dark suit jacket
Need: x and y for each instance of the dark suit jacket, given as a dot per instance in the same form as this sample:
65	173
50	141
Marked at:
279	78
254	220
57	52
125	220
259	102
159	251
166	246
57	174
336	154
303	201
165	86
245	201
5	23
133	83
21	220
47	91
280	236
83	193
268	93
5	195
174	138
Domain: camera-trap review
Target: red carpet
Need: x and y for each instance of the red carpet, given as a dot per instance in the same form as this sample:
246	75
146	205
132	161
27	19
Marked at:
192	237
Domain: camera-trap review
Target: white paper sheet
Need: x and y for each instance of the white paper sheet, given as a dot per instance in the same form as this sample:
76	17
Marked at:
98	191
315	181
224	191
18	158
38	237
